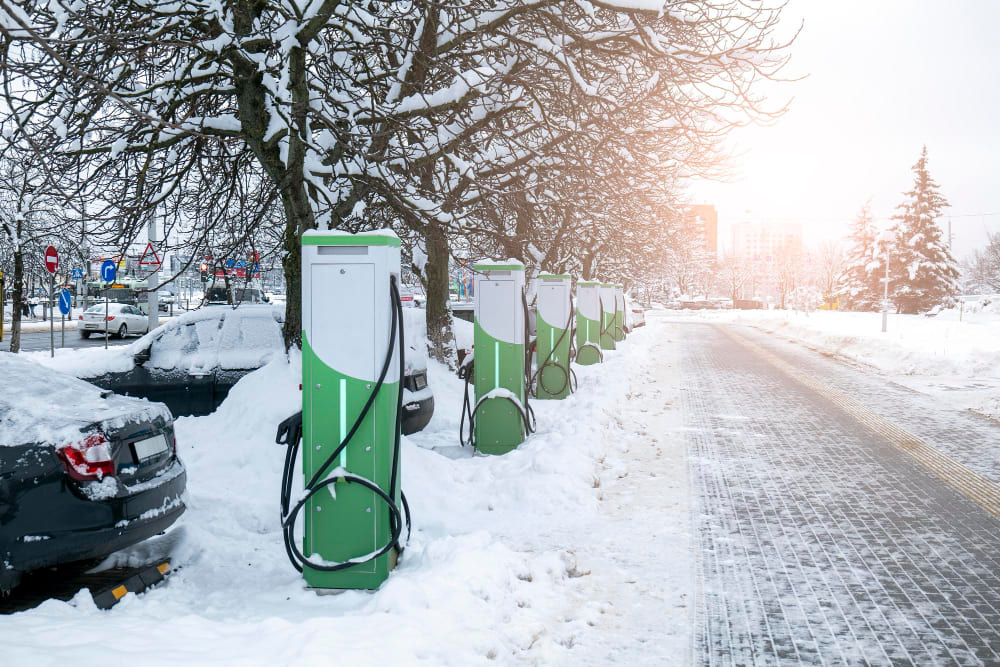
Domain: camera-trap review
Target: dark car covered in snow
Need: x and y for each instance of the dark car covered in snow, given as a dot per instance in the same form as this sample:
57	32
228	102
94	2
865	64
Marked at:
83	472
192	362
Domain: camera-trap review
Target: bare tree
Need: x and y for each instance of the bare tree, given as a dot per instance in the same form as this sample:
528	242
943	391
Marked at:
983	268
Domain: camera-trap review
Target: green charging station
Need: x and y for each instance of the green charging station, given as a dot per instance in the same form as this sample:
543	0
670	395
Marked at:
619	313
501	417
351	369
607	292
554	320
588	323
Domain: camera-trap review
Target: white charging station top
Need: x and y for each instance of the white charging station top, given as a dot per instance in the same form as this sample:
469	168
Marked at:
339	237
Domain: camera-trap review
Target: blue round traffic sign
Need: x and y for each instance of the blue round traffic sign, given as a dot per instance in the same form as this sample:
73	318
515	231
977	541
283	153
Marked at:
108	270
65	301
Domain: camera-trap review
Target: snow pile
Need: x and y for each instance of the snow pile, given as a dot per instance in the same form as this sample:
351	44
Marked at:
42	405
956	351
496	570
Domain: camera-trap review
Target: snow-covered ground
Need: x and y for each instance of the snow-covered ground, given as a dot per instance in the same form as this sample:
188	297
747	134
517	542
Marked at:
573	549
954	354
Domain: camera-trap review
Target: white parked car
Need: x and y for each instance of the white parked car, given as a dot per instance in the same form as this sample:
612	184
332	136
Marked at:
122	320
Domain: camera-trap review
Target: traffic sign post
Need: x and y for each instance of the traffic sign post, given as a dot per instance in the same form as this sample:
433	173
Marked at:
108	271
51	265
65	304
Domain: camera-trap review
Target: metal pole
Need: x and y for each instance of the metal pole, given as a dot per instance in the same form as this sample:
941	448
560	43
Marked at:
52	325
152	282
105	318
885	293
63	343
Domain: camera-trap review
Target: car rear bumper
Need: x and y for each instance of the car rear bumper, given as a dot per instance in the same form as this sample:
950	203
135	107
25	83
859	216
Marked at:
416	415
128	520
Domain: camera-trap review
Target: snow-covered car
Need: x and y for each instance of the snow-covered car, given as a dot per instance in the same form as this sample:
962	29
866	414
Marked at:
83	472
192	362
635	315
121	320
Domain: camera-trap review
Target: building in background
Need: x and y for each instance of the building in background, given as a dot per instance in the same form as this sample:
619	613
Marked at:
707	219
766	241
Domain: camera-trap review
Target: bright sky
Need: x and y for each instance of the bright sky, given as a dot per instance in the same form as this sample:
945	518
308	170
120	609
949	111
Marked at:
885	77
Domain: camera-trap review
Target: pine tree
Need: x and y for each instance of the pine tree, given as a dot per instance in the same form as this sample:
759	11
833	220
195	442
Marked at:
923	272
859	283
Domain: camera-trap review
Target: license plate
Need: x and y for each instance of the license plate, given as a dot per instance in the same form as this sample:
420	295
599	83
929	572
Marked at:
419	382
149	448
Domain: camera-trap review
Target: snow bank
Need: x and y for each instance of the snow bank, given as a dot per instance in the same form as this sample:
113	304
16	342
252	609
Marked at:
491	575
913	344
955	353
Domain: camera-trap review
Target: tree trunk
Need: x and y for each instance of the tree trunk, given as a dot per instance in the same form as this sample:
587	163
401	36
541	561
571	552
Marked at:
15	317
439	333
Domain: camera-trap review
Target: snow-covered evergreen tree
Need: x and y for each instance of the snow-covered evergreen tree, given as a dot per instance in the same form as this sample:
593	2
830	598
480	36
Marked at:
858	285
923	271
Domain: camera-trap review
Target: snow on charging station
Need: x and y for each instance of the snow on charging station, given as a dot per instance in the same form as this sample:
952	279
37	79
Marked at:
351	372
607	316
619	312
554	324
588	323
501	417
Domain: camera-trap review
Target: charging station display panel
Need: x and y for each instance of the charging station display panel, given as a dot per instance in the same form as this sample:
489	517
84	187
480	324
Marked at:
496	317
552	377
499	361
607	293
346	316
342	337
588	323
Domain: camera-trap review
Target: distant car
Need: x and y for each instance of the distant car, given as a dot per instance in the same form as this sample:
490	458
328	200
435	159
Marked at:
83	472
122	319
635	315
407	297
192	362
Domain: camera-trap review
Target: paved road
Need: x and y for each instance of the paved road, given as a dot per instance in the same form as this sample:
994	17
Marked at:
842	519
40	341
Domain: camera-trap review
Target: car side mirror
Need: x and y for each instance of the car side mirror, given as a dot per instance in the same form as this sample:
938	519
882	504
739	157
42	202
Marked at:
141	357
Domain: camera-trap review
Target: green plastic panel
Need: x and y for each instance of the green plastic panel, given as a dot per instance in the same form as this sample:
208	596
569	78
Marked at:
499	365
587	340
352	239
552	379
607	331
355	522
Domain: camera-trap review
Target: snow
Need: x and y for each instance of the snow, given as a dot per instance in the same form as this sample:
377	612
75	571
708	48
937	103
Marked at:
496	571
336	232
239	345
956	352
43	405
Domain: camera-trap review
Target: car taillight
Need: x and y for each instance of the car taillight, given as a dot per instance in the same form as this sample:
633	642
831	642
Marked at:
81	317
89	460
109	318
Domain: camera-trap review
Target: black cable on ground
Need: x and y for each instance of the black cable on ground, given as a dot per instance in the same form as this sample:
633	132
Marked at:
290	434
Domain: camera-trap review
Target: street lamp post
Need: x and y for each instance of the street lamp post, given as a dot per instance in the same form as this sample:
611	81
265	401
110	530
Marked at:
886	236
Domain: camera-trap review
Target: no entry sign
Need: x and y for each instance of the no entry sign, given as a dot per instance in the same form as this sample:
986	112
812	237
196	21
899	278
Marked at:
51	259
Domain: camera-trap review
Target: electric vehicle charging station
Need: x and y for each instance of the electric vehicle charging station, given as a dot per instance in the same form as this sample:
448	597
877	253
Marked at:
608	306
619	312
554	319
588	323
351	406
501	414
